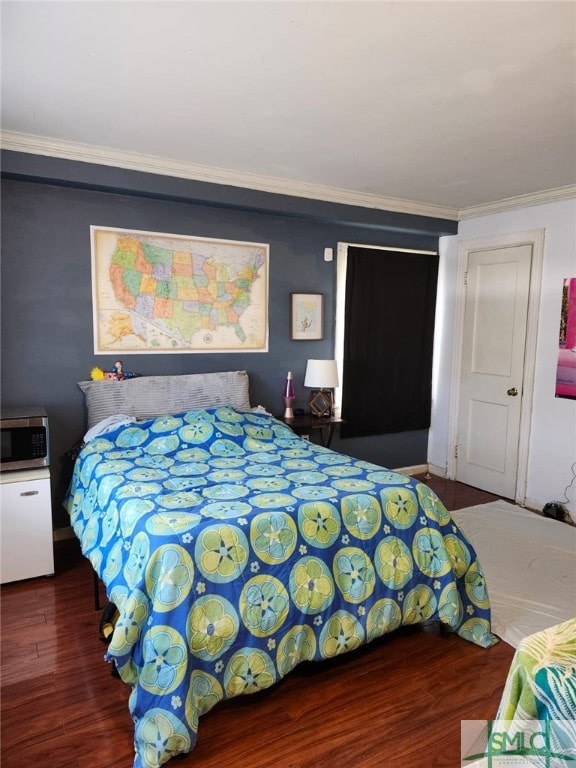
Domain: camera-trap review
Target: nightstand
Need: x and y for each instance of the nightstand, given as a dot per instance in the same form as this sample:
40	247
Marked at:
306	423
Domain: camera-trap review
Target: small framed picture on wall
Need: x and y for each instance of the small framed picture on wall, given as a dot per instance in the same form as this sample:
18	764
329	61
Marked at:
306	316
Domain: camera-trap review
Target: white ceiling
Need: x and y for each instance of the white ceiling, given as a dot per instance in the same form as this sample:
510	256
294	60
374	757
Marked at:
450	104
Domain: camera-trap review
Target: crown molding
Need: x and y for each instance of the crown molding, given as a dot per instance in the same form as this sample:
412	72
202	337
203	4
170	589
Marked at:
134	161
521	201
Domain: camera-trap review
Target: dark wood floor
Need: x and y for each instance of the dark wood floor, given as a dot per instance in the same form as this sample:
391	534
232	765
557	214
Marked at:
397	703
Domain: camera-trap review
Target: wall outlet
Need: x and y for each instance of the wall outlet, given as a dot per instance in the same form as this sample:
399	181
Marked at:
305	437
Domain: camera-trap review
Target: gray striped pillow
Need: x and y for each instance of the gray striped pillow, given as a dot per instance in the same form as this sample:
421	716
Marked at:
150	396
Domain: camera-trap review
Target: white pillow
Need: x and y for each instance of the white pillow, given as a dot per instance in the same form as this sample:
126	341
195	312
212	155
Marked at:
107	425
146	397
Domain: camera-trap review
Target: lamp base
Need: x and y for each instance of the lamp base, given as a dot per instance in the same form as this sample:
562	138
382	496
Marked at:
288	412
321	403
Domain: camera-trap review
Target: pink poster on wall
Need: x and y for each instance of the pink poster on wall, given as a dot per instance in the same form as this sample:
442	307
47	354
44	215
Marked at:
566	369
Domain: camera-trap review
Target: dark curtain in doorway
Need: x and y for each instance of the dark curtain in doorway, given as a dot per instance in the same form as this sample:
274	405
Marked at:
388	339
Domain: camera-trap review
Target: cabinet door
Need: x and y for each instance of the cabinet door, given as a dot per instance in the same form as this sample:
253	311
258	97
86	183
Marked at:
26	530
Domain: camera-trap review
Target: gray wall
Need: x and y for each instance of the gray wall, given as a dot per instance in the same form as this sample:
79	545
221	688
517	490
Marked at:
48	206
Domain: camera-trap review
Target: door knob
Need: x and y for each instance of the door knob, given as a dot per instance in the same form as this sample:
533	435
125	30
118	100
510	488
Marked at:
512	392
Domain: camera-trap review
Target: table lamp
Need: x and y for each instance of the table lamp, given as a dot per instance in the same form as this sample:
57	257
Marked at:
322	377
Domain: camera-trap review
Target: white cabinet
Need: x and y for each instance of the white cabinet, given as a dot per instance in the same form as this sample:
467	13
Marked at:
26	541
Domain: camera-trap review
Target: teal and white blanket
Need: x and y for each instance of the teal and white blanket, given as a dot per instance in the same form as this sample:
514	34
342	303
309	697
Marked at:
234	550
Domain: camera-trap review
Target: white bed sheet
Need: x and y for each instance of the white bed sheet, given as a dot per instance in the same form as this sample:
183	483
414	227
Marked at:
529	562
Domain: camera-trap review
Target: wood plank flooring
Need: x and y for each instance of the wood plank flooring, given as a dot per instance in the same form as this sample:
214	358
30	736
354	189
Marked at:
396	703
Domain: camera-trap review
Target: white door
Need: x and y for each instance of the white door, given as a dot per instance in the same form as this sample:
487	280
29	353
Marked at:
492	368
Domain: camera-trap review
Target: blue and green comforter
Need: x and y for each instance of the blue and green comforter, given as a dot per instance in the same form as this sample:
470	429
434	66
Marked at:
235	550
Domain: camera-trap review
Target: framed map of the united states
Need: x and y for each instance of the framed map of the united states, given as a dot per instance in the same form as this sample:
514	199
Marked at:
154	292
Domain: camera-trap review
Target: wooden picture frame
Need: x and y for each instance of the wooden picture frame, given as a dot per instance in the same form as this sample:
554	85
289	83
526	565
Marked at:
306	316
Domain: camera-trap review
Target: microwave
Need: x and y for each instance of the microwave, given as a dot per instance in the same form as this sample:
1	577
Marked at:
24	438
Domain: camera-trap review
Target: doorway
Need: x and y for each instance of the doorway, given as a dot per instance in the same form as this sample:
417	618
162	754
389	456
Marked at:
494	359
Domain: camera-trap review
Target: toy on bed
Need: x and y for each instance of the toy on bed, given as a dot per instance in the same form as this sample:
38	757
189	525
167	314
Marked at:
116	374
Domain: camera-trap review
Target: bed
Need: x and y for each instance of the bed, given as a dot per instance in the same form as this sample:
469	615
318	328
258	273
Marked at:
235	550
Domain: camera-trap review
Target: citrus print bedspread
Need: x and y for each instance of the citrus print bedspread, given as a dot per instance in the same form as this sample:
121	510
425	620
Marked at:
234	550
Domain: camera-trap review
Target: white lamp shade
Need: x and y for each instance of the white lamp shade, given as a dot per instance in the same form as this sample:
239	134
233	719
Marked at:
321	374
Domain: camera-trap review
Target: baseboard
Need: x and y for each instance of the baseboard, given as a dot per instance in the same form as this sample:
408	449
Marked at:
437	471
531	504
62	534
416	469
